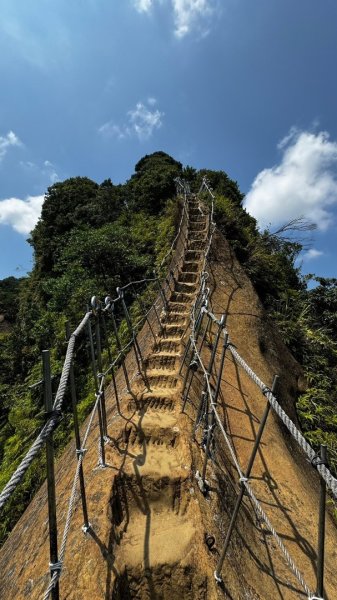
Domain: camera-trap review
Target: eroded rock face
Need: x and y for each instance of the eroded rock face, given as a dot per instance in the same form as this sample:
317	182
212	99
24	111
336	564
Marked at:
149	519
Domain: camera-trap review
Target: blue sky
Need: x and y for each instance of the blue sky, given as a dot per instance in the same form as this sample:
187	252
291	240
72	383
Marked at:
88	88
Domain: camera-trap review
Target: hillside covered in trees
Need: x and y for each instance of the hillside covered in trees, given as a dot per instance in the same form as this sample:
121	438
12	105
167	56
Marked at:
94	237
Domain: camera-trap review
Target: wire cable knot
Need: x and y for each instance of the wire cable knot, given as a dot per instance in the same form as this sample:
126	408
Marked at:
81	451
56	567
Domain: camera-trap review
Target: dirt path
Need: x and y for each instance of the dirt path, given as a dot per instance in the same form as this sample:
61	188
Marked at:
156	521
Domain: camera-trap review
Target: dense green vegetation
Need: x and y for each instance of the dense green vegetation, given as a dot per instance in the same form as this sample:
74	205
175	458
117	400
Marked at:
92	238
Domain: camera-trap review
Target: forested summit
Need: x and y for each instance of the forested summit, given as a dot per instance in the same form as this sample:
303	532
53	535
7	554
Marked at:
94	237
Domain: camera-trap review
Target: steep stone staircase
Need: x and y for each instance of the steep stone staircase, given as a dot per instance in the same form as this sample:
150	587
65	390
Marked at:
154	510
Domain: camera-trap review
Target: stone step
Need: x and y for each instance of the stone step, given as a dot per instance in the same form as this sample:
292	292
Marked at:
152	435
152	403
170	347
196	216
156	381
190	267
161	362
162	581
181	297
192	255
197	226
173	331
197	236
196	245
188	277
175	318
186	288
178	310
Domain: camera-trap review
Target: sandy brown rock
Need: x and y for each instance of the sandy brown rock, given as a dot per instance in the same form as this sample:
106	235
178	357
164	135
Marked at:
148	516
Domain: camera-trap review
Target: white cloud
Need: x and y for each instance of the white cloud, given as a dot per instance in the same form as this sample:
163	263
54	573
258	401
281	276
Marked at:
6	141
143	120
143	5
22	215
140	122
312	254
304	183
188	15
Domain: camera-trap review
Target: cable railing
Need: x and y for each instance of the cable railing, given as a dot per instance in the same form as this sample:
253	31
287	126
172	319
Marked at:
207	417
137	304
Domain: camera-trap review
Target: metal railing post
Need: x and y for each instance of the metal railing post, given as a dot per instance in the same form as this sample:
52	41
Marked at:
192	368
79	449
48	404
162	294
136	348
217	573
100	368
211	419
119	346
321	526
198	323
221	325
99	406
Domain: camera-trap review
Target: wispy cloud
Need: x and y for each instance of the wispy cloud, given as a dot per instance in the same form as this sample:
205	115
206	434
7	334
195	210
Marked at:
45	172
22	215
188	15
6	141
141	122
50	171
143	5
311	254
304	183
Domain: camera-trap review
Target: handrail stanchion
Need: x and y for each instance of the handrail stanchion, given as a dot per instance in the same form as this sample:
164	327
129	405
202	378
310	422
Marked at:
162	294
204	393
217	573
119	345
188	345
138	354
79	449
100	368
211	416
48	404
99	407
321	526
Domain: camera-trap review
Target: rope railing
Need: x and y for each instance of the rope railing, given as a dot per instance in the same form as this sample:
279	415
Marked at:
150	294
207	412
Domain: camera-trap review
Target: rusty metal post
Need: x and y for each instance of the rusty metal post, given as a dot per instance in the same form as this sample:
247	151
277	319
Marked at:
48	404
79	449
217	573
321	526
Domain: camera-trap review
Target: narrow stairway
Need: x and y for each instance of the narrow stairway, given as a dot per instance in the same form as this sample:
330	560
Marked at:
156	523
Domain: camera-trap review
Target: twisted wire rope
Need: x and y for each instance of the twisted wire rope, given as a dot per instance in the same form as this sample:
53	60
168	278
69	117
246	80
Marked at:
271	398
